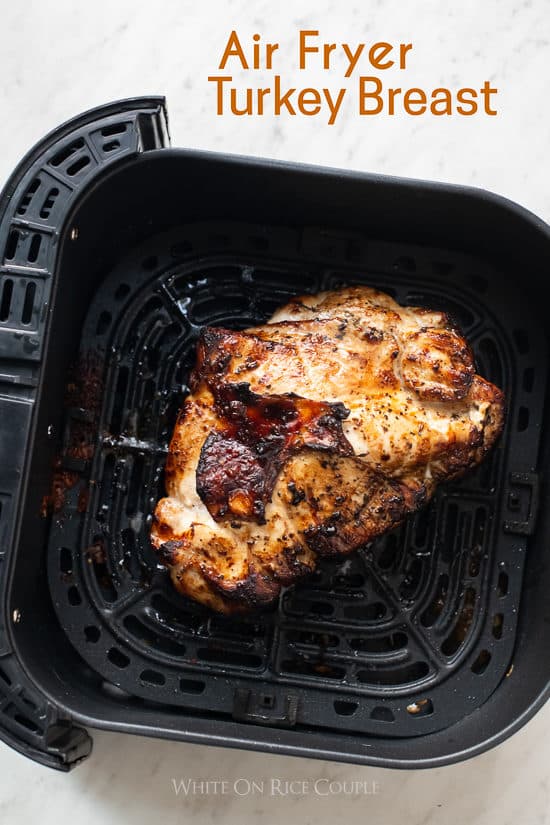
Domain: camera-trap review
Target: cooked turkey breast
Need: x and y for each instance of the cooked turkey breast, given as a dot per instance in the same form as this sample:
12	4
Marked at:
312	435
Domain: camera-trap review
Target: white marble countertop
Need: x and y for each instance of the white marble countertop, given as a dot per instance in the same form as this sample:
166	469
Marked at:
58	58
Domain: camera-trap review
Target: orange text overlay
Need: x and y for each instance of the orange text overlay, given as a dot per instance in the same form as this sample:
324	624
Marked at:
360	65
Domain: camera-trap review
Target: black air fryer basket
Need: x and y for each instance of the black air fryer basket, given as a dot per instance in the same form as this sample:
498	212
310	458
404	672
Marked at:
429	646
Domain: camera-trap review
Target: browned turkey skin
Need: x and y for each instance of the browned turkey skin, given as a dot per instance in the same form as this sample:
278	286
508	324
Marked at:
312	435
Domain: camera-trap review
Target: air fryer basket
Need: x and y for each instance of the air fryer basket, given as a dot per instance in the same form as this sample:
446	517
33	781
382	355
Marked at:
424	648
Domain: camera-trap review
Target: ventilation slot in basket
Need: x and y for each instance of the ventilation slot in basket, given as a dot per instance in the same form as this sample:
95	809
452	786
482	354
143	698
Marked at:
49	202
5	301
11	245
34	248
28	303
67	152
114	129
26	200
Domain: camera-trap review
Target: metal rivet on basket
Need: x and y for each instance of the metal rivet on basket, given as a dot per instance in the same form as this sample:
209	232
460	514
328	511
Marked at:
417	707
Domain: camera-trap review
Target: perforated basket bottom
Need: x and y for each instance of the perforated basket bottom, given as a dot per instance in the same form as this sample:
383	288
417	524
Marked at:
404	637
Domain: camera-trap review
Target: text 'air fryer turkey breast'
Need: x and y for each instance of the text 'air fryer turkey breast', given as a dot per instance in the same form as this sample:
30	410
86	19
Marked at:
312	435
